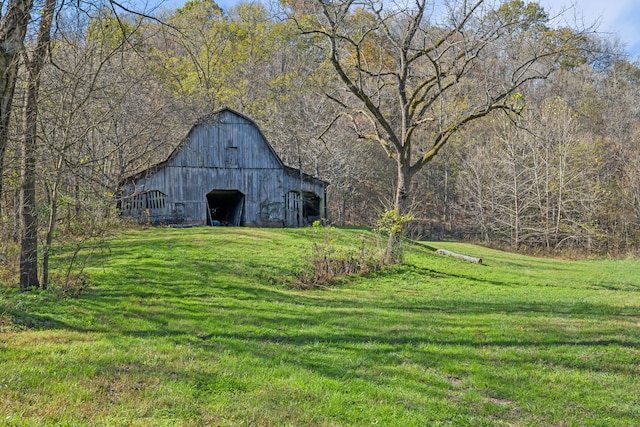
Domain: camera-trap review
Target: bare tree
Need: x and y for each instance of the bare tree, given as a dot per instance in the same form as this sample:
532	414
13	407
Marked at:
85	108
13	29
29	223
541	188
414	82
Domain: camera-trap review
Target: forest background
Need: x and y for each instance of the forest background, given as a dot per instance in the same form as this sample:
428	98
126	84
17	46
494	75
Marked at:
118	90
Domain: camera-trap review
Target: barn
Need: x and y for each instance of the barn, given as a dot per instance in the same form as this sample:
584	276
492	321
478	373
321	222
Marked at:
225	172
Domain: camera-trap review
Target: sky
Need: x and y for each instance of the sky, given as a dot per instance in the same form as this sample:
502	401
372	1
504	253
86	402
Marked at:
614	18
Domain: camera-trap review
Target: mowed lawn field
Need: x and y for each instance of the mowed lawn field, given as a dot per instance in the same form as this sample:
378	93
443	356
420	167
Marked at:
200	327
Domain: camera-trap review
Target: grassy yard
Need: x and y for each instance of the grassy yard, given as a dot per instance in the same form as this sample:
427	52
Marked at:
198	327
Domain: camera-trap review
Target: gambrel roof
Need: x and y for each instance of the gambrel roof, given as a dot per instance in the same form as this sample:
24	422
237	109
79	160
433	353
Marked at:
212	119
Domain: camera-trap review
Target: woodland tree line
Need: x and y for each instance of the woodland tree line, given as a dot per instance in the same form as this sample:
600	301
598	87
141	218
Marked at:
534	121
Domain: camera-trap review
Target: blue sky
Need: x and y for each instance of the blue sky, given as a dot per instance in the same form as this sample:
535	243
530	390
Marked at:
614	18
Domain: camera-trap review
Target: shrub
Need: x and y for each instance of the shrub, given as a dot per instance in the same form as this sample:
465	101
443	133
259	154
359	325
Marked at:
333	258
392	224
68	285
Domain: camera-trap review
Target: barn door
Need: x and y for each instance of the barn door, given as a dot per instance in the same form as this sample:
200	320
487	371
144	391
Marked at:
292	209
225	207
302	209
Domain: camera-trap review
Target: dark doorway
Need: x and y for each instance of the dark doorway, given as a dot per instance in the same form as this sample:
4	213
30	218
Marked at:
310	207
299	213
224	207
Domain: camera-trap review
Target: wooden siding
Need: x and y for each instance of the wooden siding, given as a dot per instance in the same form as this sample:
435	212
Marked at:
211	144
226	152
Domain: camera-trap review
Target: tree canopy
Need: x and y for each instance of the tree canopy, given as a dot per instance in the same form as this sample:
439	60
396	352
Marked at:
492	121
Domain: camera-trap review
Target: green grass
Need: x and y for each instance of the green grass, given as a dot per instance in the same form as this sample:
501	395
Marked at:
198	327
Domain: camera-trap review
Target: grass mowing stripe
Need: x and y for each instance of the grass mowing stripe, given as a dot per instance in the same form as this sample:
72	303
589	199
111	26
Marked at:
197	327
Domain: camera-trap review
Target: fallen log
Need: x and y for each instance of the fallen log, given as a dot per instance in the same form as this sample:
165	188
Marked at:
460	256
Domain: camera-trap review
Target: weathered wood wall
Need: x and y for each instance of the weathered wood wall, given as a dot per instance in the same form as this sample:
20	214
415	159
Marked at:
227	152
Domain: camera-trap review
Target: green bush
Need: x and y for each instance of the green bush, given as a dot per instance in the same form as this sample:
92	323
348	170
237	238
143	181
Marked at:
392	224
333	257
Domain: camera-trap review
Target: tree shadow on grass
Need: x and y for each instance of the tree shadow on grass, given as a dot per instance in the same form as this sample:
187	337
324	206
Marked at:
377	338
268	318
389	343
21	319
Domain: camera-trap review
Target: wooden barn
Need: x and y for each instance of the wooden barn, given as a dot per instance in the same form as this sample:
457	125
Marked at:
224	173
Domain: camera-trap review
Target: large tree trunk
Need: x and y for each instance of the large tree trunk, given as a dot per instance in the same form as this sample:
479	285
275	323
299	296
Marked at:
13	27
8	70
401	208
402	187
29	247
29	221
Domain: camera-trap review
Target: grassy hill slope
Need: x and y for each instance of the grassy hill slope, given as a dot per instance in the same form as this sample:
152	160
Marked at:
196	327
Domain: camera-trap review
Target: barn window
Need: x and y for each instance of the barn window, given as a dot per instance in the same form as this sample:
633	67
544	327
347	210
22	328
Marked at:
137	201
153	199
